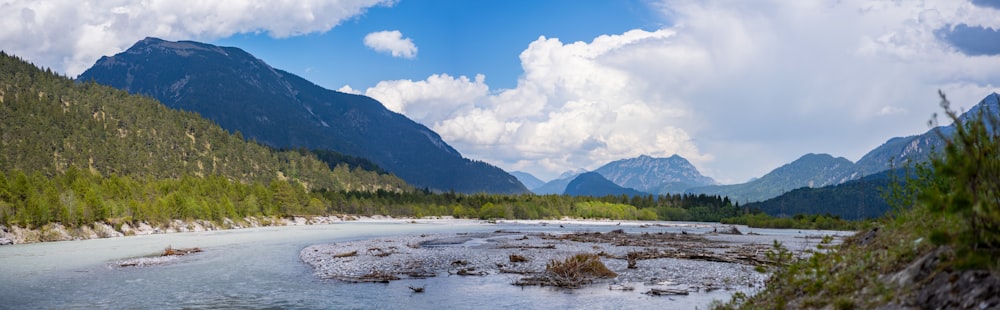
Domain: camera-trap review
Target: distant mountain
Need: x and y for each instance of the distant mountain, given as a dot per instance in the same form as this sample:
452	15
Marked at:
917	148
820	170
529	180
655	175
810	170
594	184
557	186
243	94
855	199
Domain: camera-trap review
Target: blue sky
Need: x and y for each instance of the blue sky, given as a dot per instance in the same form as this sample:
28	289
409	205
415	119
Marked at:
736	87
454	37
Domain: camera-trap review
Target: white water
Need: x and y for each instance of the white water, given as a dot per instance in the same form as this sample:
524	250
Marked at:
260	268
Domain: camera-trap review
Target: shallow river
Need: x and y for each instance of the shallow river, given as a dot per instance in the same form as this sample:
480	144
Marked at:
260	268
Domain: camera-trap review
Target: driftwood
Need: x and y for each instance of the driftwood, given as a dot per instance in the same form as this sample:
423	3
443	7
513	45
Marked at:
526	246
169	251
514	258
573	272
379	252
665	291
418	289
471	271
348	254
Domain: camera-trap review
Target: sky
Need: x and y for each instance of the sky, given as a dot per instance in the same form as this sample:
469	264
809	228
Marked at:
738	88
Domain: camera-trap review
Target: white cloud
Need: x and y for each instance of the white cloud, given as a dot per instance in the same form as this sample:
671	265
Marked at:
391	42
737	88
70	36
349	90
572	108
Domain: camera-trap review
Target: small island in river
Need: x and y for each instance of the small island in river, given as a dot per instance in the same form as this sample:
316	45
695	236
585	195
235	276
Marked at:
663	262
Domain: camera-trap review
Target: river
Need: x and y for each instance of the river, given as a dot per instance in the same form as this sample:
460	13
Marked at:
260	268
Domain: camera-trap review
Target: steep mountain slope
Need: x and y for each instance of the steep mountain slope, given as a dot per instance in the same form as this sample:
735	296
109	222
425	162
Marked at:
529	180
242	93
655	175
593	184
810	170
50	123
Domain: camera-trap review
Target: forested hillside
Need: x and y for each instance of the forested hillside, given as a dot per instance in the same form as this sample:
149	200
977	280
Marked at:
243	93
64	145
853	200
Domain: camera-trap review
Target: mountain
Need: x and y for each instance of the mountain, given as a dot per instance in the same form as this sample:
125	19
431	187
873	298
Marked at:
655	175
558	186
855	199
243	94
594	184
917	148
810	170
529	180
847	196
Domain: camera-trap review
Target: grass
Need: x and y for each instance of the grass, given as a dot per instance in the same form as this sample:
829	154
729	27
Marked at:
847	276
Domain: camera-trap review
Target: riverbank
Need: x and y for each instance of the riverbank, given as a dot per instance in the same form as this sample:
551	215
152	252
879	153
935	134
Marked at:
58	232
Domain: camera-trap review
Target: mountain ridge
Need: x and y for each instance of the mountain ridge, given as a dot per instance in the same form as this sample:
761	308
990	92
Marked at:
645	173
244	94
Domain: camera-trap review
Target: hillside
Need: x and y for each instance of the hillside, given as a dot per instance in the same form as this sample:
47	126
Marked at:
55	129
655	175
243	94
595	185
855	199
810	170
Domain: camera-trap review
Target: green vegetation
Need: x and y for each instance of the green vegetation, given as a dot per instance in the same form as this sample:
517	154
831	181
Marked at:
77	153
852	200
799	221
948	210
686	207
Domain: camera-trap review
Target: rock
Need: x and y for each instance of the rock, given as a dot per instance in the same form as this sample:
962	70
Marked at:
946	289
918	270
732	230
5	241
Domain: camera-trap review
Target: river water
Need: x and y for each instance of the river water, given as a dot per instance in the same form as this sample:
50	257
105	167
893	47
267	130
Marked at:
260	268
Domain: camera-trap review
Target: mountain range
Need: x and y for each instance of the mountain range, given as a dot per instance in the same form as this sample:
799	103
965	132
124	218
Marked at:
244	94
810	170
813	171
643	175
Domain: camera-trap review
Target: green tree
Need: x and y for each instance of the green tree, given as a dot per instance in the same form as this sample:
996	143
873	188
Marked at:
968	179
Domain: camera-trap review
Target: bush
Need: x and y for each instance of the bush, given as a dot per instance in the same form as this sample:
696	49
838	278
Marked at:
967	181
572	272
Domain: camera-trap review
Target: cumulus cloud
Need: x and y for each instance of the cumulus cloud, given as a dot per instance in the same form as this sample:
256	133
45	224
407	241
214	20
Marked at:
70	36
737	88
391	42
573	107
